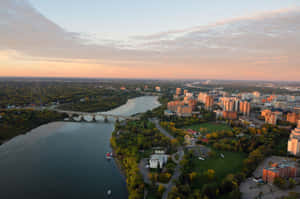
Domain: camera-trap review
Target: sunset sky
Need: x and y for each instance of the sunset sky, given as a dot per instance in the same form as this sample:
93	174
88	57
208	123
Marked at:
232	39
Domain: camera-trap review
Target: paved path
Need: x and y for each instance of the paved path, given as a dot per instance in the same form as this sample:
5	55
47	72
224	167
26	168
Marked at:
161	129
175	176
144	171
180	152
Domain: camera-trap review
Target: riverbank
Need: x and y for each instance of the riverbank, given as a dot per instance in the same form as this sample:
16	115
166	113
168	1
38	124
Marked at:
19	122
66	154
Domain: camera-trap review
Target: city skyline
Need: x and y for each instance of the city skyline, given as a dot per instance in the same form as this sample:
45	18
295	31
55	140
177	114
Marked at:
42	39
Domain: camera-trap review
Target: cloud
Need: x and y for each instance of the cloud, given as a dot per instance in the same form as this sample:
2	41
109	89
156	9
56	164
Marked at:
24	29
262	39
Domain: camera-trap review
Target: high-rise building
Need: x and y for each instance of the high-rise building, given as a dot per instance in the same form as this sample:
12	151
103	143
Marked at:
294	141
229	105
202	97
245	108
173	105
209	102
192	103
178	91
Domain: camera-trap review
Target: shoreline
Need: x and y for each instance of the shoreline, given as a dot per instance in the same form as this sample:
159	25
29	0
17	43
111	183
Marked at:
28	131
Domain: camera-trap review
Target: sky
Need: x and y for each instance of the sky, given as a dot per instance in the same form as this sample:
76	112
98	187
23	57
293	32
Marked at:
199	39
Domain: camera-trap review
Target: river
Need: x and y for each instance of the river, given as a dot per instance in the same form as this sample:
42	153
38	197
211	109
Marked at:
65	160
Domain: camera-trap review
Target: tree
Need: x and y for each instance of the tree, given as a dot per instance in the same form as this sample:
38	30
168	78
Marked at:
210	173
279	182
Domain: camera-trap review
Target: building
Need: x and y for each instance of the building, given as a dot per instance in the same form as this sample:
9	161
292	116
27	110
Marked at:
219	114
202	97
178	91
265	112
293	117
284	170
192	103
230	115
256	94
157	88
209	102
245	108
184	111
229	105
168	113
294	141
185	91
270	117
158	160
173	105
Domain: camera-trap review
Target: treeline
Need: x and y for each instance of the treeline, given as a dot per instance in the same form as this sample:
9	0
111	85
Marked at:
100	103
16	122
42	93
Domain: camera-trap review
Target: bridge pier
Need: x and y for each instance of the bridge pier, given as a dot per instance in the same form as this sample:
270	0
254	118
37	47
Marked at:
82	118
105	119
94	118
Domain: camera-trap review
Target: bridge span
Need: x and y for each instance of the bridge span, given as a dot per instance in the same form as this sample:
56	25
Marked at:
105	115
72	114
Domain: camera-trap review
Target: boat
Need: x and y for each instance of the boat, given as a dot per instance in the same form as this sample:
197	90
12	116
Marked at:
109	192
108	155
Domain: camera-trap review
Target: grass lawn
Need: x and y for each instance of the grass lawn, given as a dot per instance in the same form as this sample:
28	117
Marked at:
210	127
231	163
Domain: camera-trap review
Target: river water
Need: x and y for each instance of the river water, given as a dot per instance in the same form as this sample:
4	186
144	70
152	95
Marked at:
65	160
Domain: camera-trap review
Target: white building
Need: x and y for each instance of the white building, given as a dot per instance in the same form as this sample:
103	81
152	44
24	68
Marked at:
158	161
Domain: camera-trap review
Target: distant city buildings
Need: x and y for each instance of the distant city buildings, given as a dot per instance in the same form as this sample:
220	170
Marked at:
284	170
294	141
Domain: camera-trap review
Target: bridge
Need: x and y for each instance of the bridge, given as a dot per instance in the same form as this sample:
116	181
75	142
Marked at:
71	114
93	115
